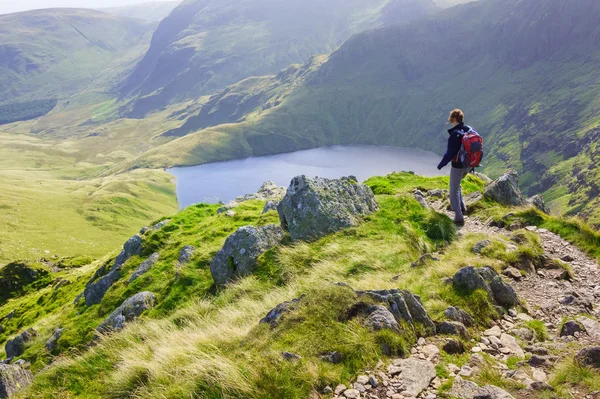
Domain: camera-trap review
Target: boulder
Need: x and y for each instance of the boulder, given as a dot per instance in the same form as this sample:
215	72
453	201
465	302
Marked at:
268	190
53	340
16	346
380	318
130	310
454	347
274	316
463	389
453	328
145	266
589	357
239	255
511	343
505	190
503	293
570	328
94	292
456	314
186	254
270	206
469	279
421	200
538	202
132	247
415	374
13	379
480	246
314	208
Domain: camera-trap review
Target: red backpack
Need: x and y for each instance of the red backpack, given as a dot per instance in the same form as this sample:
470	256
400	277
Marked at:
471	150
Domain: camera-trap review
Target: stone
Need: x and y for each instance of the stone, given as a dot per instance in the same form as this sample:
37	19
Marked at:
94	292
53	340
230	213
431	352
332	357
13	379
592	327
291	356
132	247
16	346
415	374
352	393
145	266
314	208
540	386
570	328
161	224
503	293
270	206
362	379
456	314
480	246
339	389
539	375
438	193
381	319
513	273
511	343
239	255
453	328
421	200
468	279
495	331
505	190
463	389
524	333
268	191
476	360
275	315
423	260
589	357
186	254
538	202
129	310
454	347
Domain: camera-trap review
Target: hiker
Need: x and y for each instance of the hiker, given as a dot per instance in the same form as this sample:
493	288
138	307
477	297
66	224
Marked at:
465	150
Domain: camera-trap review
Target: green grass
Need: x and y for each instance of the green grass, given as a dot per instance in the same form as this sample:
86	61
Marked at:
540	330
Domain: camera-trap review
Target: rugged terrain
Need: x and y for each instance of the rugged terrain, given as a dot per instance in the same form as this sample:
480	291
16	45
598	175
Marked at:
383	296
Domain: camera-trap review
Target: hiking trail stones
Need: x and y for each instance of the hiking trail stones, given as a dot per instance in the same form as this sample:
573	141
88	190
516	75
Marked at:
16	346
505	190
463	389
145	266
130	310
238	257
589	357
314	208
97	287
13	379
469	279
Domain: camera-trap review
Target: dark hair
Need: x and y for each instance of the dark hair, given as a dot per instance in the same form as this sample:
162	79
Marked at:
457	115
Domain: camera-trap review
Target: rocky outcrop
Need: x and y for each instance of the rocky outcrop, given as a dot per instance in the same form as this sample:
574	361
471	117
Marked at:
270	206
538	202
239	255
130	310
415	374
570	328
505	190
267	191
97	287
13	379
380	318
456	314
469	279
314	208
275	315
463	389
589	357
16	346
145	266
186	254
53	340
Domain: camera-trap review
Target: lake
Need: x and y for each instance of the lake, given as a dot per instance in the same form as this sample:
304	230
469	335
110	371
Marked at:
224	181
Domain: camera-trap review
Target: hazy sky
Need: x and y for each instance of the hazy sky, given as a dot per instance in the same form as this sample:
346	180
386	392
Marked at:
8	6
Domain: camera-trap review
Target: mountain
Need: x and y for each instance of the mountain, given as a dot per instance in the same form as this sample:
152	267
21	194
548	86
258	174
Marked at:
205	45
528	84
151	11
48	55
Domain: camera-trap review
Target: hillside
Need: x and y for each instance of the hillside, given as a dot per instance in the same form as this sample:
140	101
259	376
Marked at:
206	45
151	11
292	326
509	68
55	53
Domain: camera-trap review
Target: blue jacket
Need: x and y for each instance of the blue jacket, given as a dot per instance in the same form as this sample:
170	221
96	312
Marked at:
454	145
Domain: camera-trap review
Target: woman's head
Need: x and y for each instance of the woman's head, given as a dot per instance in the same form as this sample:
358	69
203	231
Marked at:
456	117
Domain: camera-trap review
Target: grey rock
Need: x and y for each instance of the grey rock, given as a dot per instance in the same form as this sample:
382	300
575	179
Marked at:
380	318
503	293
270	206
415	374
145	266
421	200
423	260
456	314
144	230
53	340
94	292
332	357
13	379
290	356
130	310
437	193
512	273
454	347
453	328
275	315
538	202
505	190
570	328
238	257
463	389
525	334
268	190
589	357
314	208
132	247
161	224
469	279
480	246
16	346
186	254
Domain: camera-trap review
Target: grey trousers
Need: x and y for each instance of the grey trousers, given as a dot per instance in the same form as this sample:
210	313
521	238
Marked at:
456	196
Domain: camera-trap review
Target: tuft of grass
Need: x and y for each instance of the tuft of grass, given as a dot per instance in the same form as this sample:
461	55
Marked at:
540	330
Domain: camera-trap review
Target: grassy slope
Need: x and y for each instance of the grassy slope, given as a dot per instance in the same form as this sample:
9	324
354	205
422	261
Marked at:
198	341
55	53
204	45
536	107
151	11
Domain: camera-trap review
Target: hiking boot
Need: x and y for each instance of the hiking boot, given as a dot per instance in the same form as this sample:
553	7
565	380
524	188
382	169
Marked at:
459	222
463	210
